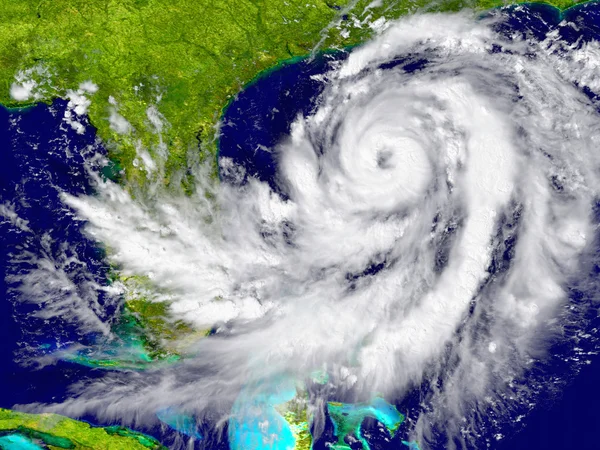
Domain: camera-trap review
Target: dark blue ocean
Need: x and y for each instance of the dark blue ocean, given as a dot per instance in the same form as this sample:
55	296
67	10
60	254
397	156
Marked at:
41	156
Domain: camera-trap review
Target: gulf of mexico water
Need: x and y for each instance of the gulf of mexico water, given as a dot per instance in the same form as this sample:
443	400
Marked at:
41	156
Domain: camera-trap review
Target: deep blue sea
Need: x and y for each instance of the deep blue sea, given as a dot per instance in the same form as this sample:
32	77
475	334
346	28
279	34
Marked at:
41	156
35	167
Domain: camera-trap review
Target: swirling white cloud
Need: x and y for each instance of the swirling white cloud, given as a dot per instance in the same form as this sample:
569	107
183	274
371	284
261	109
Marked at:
404	189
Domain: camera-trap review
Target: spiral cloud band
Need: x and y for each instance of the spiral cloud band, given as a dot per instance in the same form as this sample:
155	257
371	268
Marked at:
432	221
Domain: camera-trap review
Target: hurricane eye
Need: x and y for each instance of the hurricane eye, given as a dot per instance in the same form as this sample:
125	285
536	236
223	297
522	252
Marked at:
385	159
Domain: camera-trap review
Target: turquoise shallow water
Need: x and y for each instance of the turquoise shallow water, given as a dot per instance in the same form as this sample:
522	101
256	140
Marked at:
18	442
254	416
249	134
183	423
257	424
348	418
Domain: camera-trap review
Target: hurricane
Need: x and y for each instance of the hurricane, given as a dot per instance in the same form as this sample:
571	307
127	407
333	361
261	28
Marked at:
429	223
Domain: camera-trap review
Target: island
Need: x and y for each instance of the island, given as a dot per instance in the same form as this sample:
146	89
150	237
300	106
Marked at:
26	431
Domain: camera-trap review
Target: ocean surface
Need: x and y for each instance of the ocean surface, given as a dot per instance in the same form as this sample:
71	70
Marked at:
42	157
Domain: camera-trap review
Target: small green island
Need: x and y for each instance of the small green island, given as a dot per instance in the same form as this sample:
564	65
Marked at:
348	418
22	431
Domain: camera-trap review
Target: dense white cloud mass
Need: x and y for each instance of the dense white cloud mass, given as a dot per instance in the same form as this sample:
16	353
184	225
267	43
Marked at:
404	189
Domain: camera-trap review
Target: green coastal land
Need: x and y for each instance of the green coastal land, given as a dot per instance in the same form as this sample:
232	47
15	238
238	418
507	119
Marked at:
154	76
58	432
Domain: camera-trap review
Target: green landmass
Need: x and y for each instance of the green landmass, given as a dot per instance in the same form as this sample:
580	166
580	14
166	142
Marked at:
145	335
295	413
347	420
162	335
165	69
58	432
162	72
